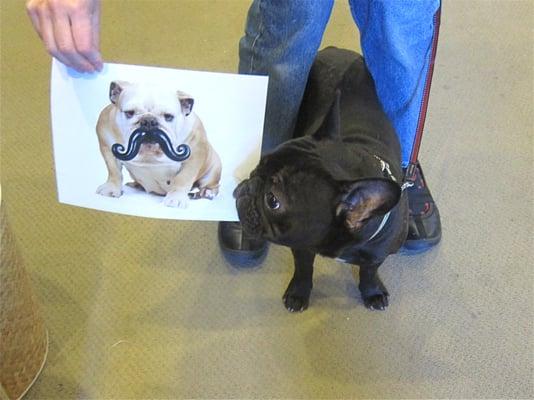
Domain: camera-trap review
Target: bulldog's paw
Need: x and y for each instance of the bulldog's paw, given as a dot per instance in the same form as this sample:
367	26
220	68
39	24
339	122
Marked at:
176	200
203	193
109	189
208	193
297	297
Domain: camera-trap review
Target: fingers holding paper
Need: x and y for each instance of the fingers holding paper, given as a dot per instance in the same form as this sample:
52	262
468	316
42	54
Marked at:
70	31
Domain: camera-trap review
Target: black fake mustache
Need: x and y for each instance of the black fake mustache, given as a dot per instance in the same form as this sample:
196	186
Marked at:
140	136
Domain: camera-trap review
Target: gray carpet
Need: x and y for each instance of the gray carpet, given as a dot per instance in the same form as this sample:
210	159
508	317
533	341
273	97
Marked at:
140	308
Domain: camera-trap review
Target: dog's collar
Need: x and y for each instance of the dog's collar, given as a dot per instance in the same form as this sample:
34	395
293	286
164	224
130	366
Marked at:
381	226
386	171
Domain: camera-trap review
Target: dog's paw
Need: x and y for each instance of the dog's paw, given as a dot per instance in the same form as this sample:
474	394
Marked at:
376	297
208	193
295	303
176	200
374	294
109	189
377	302
297	296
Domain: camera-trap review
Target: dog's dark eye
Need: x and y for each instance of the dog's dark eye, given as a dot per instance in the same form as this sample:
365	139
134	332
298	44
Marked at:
168	117
129	114
271	201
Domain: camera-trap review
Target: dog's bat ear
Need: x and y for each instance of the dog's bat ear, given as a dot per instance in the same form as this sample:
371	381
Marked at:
186	102
115	89
331	126
365	199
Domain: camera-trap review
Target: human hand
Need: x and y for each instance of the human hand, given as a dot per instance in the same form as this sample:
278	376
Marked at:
70	31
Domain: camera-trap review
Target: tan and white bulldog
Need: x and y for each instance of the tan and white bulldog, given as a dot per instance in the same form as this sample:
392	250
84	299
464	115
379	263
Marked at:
136	106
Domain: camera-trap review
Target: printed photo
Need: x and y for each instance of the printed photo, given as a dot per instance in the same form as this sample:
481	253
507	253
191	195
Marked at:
155	142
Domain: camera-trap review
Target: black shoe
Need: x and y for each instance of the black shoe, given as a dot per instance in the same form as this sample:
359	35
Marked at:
239	249
424	225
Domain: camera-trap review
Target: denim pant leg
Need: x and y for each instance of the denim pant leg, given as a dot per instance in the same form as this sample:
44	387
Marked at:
398	42
281	40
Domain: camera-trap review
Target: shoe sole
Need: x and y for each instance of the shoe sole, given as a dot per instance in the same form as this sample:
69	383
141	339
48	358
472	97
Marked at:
249	259
418	246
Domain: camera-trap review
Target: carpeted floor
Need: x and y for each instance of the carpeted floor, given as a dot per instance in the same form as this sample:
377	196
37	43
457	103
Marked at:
140	308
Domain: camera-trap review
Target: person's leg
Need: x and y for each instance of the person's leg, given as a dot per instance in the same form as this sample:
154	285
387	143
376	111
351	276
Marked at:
281	40
399	40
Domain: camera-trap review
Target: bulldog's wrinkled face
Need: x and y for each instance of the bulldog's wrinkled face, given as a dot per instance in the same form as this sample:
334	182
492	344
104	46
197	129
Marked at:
149	107
288	203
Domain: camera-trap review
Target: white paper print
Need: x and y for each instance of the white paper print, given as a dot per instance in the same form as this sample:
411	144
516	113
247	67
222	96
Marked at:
230	107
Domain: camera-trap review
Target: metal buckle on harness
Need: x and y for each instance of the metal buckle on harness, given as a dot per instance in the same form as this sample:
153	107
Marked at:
409	176
408	182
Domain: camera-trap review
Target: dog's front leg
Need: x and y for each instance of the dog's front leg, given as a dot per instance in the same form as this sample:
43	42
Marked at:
374	293
113	186
178	192
297	295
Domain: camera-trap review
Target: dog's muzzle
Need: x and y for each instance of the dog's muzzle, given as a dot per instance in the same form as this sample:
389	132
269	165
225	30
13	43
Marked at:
247	210
154	135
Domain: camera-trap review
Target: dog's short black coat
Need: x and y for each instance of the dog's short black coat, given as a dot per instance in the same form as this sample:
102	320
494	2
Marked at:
328	190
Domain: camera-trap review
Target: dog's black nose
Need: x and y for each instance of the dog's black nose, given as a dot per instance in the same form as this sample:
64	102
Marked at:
148	123
241	189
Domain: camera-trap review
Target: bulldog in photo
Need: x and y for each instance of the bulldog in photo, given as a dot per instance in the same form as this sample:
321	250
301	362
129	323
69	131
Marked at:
335	189
154	133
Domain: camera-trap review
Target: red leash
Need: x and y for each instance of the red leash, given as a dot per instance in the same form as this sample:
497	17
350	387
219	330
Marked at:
410	171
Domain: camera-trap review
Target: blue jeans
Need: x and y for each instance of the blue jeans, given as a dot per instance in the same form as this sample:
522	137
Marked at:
398	42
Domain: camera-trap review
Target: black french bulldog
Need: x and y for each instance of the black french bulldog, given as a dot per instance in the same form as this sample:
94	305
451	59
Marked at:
334	189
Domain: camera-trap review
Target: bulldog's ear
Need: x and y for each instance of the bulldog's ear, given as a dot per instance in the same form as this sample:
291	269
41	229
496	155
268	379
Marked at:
186	101
331	126
365	199
115	89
